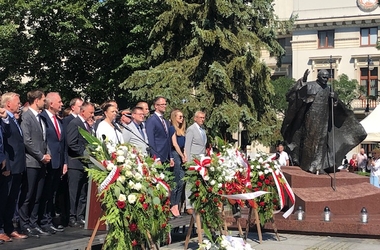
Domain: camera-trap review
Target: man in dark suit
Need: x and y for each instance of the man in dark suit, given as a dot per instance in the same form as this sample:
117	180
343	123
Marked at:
37	156
57	167
78	181
11	175
75	105
157	129
62	199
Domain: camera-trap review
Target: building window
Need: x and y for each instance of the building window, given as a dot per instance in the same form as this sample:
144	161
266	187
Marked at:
369	89
326	39
368	36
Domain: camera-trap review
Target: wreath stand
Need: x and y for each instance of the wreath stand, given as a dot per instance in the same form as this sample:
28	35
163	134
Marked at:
253	212
196	217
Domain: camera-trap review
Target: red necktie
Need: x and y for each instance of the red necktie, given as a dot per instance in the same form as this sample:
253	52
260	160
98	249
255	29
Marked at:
56	127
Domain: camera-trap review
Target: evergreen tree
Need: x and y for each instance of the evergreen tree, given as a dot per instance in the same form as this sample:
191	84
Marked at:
347	90
205	55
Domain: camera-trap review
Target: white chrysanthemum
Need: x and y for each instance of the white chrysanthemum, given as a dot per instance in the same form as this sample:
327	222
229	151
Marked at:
162	176
258	167
131	184
212	182
220	185
99	148
120	152
261	160
127	166
229	178
110	166
212	169
138	176
132	198
120	158
122	197
138	186
266	171
261	173
128	173
220	179
121	179
207	178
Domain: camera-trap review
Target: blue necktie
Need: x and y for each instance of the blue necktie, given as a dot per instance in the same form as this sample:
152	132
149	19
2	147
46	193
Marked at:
18	126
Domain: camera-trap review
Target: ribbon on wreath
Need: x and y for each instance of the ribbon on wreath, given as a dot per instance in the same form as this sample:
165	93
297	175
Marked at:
282	188
243	162
162	183
201	165
111	178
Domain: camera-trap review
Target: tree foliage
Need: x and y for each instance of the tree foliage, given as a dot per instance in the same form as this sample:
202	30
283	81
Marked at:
75	47
347	90
205	55
281	86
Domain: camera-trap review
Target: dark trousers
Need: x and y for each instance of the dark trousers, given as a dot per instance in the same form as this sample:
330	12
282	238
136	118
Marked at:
9	192
52	180
179	173
62	201
78	184
30	197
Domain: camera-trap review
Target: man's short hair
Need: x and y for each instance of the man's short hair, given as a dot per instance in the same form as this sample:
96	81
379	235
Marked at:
85	105
31	96
6	97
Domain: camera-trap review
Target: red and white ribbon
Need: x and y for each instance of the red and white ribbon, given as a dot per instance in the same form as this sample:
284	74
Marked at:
111	178
201	165
245	196
282	187
163	184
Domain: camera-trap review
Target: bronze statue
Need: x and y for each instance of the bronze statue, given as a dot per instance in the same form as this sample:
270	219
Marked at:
307	126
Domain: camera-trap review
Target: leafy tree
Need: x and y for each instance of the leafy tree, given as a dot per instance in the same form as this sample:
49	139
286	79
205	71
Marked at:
281	86
206	56
347	90
75	47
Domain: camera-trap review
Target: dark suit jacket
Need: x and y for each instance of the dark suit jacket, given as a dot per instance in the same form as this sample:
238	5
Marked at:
76	144
13	147
35	144
159	140
56	146
67	120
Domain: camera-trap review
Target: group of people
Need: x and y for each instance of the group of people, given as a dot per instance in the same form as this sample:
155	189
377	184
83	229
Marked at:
168	141
41	156
363	163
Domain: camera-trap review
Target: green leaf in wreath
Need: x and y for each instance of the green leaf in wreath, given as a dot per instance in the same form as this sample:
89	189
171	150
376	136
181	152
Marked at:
117	191
156	201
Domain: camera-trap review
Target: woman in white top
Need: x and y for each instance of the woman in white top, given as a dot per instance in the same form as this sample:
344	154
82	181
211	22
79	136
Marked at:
108	128
374	166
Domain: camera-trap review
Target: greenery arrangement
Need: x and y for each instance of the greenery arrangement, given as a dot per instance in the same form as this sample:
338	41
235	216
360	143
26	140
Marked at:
134	194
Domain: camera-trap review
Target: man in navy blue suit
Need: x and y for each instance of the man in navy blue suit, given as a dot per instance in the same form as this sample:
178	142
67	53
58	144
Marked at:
11	174
157	129
55	137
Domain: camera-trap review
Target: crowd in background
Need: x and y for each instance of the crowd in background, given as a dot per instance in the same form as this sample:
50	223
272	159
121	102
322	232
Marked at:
43	182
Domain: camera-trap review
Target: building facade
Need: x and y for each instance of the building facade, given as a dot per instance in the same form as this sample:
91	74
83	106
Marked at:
340	36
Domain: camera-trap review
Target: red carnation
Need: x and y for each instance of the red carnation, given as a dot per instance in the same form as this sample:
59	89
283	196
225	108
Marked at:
163	225
120	204
202	211
113	156
262	203
259	184
196	194
142	198
197	183
262	177
209	189
145	206
256	189
267	181
132	227
270	177
134	243
274	200
215	199
220	192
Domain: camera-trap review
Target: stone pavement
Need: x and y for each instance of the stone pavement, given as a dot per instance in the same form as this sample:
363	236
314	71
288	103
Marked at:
291	242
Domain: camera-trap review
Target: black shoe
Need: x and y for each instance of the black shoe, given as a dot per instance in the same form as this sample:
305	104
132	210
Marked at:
73	223
42	232
31	232
60	228
82	222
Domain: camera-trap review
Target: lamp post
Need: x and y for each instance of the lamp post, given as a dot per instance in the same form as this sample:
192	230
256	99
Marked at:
369	63
332	123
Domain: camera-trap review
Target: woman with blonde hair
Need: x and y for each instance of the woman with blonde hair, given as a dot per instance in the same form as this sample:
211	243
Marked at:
177	133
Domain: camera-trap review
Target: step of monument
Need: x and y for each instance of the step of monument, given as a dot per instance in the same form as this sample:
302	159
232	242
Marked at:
339	225
345	200
298	178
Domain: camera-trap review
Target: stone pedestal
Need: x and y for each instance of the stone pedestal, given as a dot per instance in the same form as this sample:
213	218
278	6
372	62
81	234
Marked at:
315	192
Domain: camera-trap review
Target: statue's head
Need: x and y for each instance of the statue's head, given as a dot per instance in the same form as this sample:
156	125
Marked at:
323	76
